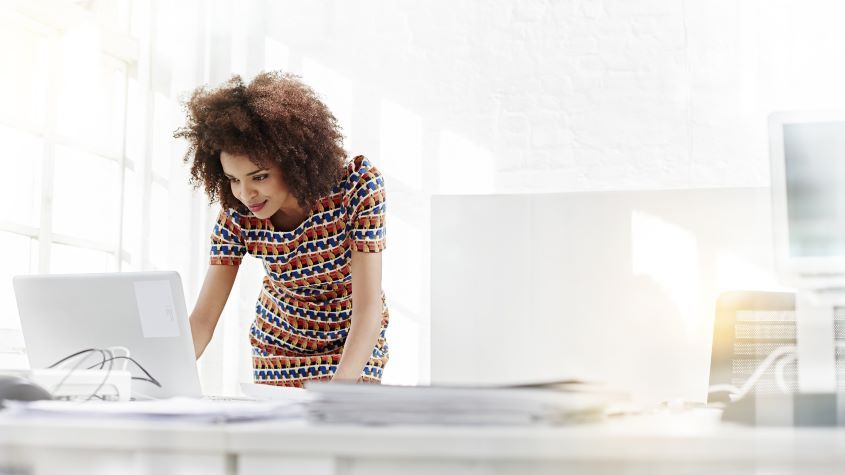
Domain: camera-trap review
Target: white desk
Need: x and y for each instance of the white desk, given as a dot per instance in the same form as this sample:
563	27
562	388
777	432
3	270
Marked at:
109	447
653	445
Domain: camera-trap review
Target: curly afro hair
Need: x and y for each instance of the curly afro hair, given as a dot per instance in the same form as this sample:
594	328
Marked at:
274	119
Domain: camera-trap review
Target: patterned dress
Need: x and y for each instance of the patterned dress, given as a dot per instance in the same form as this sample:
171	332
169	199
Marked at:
303	311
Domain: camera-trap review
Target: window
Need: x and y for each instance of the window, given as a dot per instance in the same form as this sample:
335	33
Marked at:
62	127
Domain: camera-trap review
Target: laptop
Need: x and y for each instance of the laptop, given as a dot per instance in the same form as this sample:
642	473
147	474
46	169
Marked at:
142	311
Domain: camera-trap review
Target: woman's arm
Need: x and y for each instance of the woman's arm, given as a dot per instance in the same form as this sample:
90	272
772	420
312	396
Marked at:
366	315
215	291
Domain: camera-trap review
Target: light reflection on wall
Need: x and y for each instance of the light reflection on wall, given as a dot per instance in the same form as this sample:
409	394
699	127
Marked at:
668	254
737	273
402	282
465	167
335	90
401	143
403	339
276	55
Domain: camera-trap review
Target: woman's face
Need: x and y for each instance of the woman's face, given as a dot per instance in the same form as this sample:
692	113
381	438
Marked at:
262	190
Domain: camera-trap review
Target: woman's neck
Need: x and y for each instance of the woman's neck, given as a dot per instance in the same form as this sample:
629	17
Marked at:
288	219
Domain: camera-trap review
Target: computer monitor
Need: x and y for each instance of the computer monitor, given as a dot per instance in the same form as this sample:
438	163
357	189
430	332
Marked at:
808	190
807	151
141	311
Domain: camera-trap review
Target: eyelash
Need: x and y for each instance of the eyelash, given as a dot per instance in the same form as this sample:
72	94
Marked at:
255	178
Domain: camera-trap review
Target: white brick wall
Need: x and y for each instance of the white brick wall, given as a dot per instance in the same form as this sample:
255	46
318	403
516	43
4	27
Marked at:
575	95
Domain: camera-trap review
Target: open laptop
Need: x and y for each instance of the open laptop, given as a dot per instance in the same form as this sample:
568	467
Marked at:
141	311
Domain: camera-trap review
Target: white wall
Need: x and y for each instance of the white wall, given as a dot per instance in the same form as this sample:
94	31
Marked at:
566	94
618	287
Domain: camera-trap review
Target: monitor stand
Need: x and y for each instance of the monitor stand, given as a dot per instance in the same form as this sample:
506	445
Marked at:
816	342
815	404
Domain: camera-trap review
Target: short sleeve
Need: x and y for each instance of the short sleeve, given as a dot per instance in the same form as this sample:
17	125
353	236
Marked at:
367	202
227	246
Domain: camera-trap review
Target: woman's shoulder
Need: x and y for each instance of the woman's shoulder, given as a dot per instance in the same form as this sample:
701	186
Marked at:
360	165
358	169
361	169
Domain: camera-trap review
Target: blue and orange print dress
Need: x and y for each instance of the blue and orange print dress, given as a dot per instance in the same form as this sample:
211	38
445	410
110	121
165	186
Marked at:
303	312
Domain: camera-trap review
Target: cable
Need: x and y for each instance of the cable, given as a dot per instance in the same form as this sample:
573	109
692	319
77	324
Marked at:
110	360
736	393
106	356
149	378
106	378
779	367
71	356
784	355
87	353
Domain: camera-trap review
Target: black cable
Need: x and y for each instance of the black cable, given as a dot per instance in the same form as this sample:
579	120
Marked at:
74	355
151	378
108	373
56	388
101	364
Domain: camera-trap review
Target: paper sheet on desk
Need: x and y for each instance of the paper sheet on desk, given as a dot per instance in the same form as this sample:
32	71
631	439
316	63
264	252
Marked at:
384	404
176	409
267	392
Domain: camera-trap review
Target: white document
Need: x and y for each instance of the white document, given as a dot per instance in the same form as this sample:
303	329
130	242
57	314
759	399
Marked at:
196	410
155	309
266	392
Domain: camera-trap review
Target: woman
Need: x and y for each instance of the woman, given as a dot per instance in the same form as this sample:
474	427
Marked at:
271	153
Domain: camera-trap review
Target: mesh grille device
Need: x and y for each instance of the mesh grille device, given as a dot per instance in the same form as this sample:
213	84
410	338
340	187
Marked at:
748	327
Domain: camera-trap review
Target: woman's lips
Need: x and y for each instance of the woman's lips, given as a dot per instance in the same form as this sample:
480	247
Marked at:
257	207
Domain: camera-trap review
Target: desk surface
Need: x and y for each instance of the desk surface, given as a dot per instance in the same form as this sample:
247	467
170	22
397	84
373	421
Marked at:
112	434
657	444
656	438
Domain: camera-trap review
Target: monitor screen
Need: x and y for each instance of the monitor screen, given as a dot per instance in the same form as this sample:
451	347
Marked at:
814	154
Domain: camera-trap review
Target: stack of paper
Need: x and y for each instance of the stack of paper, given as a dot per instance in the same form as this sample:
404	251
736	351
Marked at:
382	404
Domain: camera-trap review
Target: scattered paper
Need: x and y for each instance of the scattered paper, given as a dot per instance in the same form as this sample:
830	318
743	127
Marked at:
197	410
266	392
383	404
